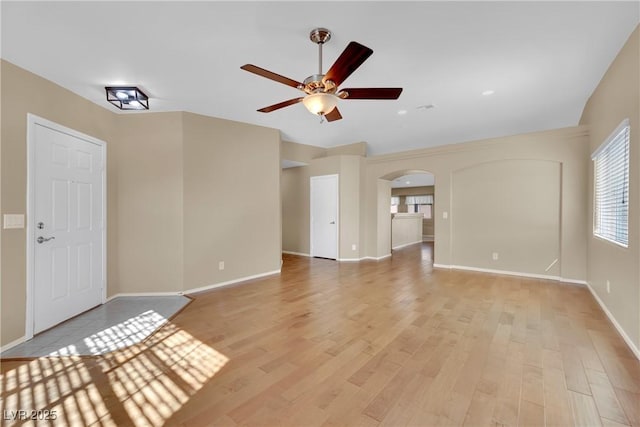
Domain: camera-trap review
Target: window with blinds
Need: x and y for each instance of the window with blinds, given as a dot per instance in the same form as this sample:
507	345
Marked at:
420	204
611	204
419	200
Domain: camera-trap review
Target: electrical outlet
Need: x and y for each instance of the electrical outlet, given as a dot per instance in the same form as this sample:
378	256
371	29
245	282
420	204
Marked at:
221	265
608	287
353	247
495	256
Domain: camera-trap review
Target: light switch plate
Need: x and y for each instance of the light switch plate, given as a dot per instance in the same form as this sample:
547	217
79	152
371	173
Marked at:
13	221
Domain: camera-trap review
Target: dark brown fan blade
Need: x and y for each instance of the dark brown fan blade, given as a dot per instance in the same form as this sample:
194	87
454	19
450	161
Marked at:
348	61
373	93
271	75
333	115
279	105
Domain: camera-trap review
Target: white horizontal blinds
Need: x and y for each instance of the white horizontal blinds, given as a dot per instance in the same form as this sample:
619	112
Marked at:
419	200
395	200
611	214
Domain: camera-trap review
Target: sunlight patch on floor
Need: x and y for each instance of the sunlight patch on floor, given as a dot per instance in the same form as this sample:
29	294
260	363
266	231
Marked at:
151	383
127	333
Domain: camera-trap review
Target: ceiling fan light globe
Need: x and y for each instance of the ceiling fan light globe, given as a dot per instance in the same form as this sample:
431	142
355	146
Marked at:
320	103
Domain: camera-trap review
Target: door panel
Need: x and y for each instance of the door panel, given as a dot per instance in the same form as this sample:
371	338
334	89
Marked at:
324	216
84	266
83	217
60	202
59	273
68	268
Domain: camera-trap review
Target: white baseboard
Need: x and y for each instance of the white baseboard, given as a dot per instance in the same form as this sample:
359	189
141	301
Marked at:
12	344
296	253
615	323
194	290
406	244
231	282
574	281
377	258
511	273
364	258
506	272
345	259
144	294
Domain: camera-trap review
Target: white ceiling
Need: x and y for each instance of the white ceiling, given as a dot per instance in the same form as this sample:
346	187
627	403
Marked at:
413	180
542	59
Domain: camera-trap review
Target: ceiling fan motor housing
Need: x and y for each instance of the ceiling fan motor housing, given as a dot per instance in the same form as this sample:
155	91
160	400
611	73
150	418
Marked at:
315	83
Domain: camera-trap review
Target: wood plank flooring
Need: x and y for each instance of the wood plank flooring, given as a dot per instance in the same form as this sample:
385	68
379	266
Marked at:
386	343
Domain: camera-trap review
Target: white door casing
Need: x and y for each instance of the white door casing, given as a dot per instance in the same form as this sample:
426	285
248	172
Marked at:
324	228
66	240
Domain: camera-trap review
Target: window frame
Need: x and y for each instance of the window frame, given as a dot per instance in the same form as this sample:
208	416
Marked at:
624	126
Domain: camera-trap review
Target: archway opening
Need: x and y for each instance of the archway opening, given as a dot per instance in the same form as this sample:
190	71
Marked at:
412	212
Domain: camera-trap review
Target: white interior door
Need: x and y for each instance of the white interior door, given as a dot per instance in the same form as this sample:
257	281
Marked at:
67	225
324	216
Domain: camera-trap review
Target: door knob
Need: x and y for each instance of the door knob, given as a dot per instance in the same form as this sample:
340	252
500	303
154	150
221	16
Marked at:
332	222
43	239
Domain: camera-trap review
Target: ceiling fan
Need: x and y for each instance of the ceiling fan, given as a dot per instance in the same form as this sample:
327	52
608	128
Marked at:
322	93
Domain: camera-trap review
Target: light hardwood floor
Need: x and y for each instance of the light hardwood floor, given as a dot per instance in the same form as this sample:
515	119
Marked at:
355	344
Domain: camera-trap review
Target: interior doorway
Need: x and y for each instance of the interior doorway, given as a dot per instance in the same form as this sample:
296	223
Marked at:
324	216
412	208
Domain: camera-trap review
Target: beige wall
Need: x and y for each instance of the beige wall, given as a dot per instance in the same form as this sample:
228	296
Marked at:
568	147
355	149
349	207
406	229
413	191
382	239
231	200
22	93
301	152
362	195
616	98
189	197
1	210
510	208
565	149
295	210
148	166
306	153
295	204
182	194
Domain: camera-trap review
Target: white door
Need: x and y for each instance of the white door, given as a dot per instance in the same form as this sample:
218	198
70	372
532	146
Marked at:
67	221
324	216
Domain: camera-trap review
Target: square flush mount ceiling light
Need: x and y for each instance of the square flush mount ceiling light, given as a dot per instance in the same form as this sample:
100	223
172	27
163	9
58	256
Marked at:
127	97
